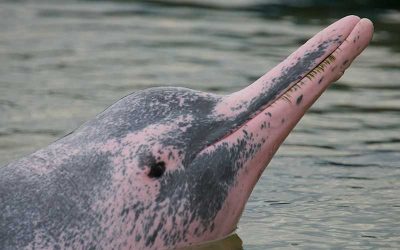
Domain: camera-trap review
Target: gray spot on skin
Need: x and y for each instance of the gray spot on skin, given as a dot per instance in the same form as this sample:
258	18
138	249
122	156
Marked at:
299	99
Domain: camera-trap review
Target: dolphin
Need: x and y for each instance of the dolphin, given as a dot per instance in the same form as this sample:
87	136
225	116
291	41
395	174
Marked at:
168	167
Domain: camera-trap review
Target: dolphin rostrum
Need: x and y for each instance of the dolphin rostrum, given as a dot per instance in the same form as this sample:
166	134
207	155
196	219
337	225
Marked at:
167	167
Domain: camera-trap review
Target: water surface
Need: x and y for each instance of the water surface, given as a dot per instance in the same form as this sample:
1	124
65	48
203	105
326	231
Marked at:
333	184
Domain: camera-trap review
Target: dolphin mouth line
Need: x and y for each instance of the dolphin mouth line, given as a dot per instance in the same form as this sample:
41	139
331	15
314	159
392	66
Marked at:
320	68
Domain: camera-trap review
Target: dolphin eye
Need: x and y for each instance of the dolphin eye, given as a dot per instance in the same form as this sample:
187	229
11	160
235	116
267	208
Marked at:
157	169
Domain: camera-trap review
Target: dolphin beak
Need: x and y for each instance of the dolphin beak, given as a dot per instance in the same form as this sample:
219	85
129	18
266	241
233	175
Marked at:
278	99
343	41
268	109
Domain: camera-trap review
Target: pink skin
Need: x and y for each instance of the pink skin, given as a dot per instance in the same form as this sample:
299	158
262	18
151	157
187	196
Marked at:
123	206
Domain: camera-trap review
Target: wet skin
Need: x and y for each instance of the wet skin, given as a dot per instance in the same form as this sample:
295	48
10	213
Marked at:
167	167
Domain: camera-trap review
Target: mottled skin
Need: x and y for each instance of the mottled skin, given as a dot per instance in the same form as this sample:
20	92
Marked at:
167	167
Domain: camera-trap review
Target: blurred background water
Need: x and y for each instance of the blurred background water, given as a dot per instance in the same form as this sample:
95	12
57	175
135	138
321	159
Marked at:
335	182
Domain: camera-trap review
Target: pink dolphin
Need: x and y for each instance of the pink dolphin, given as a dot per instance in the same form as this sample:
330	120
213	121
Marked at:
169	167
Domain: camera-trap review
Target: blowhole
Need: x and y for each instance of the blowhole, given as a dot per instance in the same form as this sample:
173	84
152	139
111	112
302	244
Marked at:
157	169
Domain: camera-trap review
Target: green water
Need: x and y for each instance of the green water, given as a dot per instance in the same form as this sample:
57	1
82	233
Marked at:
333	184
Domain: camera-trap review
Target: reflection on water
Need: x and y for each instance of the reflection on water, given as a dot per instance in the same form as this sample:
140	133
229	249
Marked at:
232	242
335	181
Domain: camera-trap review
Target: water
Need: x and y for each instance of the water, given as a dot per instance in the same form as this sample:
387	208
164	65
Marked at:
335	181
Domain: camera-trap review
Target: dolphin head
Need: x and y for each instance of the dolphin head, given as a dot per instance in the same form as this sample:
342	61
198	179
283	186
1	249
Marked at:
183	162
